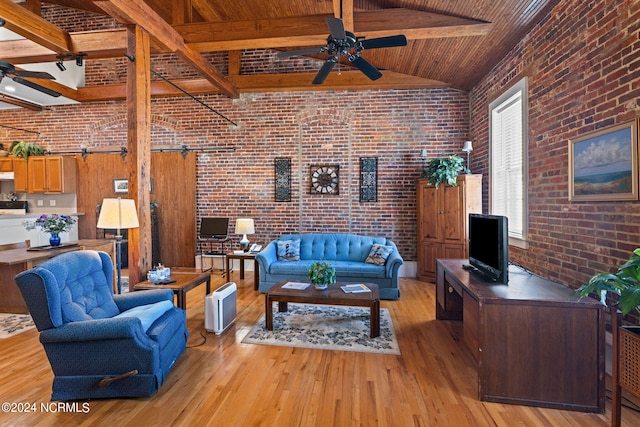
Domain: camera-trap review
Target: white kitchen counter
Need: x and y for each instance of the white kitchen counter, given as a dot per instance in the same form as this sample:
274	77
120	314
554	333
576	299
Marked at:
12	230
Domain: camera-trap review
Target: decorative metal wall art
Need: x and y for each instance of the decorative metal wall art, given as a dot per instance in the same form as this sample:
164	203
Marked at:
368	179
282	167
324	179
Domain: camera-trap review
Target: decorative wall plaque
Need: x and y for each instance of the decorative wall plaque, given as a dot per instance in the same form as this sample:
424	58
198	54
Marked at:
283	179
368	179
325	179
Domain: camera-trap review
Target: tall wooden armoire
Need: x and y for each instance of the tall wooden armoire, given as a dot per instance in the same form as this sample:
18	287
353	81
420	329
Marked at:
442	216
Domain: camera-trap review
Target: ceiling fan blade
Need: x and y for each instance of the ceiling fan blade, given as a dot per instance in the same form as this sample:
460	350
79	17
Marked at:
391	41
325	70
33	74
366	67
300	52
336	28
36	86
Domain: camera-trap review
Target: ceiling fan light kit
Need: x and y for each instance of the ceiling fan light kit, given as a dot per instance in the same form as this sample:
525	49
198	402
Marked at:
344	43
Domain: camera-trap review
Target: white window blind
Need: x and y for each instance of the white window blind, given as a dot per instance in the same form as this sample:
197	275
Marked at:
507	159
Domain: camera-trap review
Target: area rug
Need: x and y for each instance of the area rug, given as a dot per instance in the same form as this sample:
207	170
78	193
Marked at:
326	327
14	324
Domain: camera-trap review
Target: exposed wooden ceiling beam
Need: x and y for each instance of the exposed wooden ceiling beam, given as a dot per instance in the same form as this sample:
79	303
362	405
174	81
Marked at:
312	30
95	44
20	103
139	13
344	9
29	25
350	80
276	33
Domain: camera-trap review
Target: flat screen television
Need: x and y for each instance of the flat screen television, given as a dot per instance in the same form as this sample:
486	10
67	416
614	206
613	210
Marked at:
489	246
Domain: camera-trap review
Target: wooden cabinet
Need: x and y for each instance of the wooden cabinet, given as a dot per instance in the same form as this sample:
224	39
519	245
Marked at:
45	174
20	175
442	216
534	342
6	164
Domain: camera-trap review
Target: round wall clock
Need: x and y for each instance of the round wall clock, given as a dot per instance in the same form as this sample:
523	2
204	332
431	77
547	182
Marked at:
324	179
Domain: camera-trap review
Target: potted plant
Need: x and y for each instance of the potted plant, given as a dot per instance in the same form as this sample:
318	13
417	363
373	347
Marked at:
25	149
321	274
54	224
625	283
444	169
3	152
626	339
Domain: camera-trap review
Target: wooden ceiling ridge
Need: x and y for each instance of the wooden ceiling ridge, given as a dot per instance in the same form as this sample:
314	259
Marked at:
190	39
312	30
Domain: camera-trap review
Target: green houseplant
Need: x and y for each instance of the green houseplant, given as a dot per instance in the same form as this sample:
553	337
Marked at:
626	339
625	283
444	169
321	274
25	149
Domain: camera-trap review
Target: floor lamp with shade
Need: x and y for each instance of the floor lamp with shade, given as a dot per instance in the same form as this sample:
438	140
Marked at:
119	214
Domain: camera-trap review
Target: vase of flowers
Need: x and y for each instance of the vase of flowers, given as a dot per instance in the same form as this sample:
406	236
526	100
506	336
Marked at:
54	224
321	274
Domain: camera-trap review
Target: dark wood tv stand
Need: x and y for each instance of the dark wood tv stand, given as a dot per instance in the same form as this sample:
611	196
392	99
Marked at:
535	344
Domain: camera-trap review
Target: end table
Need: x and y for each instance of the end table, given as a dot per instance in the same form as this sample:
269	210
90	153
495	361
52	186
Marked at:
243	256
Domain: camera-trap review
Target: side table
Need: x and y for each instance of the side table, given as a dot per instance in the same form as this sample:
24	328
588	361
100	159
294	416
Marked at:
185	280
243	256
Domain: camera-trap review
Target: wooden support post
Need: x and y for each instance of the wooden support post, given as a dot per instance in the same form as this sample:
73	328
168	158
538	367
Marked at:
182	12
235	64
139	149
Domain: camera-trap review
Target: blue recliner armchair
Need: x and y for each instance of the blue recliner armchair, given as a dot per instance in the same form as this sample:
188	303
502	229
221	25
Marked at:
101	345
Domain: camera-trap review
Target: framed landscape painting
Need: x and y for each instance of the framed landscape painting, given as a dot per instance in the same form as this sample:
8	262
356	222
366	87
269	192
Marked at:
603	165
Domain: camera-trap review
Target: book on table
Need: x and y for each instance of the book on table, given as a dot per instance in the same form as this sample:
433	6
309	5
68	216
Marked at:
352	289
296	285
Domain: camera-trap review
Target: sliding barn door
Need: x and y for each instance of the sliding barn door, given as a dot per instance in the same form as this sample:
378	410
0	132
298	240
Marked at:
174	191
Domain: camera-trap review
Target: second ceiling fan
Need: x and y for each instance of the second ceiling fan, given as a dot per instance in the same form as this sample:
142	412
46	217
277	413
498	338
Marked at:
344	43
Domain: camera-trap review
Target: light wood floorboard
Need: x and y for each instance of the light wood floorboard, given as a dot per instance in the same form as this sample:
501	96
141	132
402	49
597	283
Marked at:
226	383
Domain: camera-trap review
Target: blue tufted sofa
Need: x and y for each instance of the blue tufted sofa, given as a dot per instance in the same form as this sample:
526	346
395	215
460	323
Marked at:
90	335
345	252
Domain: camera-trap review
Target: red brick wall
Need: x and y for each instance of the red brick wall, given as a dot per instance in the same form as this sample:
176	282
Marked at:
311	128
583	66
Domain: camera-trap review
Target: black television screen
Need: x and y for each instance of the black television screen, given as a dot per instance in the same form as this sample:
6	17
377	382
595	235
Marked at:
489	246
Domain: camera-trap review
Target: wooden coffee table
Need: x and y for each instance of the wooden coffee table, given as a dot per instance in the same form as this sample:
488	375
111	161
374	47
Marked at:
185	280
333	295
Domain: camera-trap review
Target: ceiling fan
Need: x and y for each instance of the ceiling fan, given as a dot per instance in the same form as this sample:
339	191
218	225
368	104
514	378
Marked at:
344	43
9	70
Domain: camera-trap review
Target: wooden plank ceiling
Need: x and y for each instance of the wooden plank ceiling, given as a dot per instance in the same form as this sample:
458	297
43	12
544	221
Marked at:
450	43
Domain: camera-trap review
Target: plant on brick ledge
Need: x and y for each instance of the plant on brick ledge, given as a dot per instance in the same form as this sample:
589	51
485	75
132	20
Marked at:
321	274
445	170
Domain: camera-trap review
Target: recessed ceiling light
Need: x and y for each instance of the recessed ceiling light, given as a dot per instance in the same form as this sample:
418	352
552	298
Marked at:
10	88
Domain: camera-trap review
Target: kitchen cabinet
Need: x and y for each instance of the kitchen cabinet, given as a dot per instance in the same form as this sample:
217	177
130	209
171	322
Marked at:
6	165
442	216
19	175
46	174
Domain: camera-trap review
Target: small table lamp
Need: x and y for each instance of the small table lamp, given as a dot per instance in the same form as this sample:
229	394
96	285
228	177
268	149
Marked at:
468	148
118	213
245	226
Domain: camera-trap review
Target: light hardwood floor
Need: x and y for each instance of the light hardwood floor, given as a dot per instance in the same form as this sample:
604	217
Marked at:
226	383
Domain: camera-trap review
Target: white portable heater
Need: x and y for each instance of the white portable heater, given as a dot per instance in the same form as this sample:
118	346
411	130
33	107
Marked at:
220	308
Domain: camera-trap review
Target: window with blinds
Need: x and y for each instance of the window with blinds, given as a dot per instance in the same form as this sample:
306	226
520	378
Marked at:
507	159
